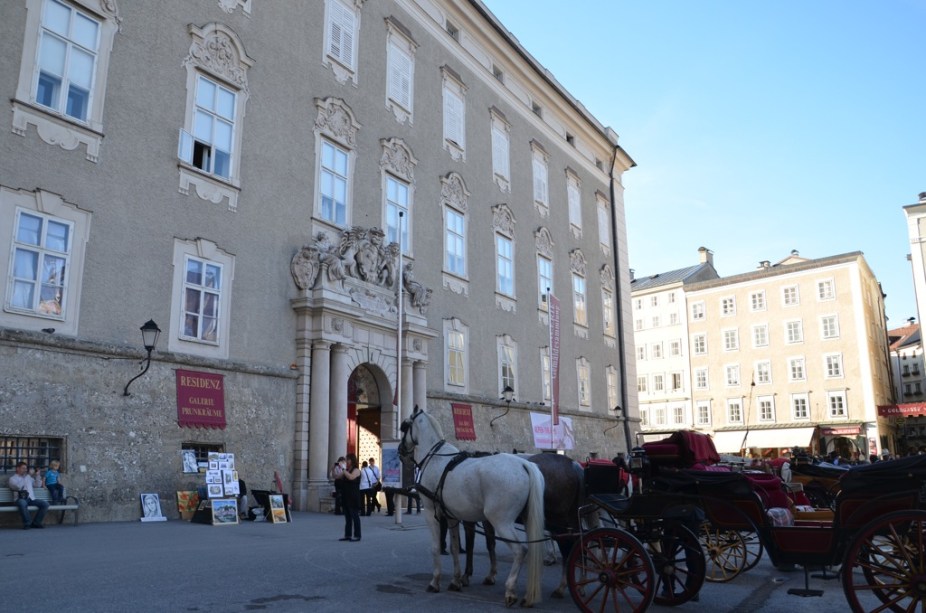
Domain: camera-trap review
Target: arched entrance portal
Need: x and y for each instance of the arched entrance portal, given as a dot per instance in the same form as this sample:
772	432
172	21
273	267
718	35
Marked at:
364	415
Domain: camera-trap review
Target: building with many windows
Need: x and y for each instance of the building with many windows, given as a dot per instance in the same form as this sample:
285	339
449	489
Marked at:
334	211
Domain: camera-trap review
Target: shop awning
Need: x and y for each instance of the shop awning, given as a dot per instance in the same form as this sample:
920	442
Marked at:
729	442
777	438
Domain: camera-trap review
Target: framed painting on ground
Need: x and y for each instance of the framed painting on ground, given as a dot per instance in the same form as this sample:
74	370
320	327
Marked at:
224	512
277	509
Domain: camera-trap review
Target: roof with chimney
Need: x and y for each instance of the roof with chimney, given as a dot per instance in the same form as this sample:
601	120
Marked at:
790	264
904	336
691	274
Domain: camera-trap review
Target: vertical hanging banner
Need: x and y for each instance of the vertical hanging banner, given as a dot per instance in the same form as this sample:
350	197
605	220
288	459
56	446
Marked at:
463	421
200	399
553	301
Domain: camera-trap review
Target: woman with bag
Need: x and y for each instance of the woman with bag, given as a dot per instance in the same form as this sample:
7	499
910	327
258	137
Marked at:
367	492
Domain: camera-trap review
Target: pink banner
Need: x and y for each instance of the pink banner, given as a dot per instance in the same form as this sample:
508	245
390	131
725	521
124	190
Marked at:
554	357
200	399
902	410
463	421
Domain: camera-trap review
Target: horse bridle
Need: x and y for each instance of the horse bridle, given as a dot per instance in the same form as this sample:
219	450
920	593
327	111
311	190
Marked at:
404	452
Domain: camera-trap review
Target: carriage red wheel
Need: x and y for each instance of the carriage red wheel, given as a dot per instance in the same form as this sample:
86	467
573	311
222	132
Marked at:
609	570
887	561
679	563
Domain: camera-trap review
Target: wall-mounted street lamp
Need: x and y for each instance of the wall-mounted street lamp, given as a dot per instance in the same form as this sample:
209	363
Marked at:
149	338
617	413
507	396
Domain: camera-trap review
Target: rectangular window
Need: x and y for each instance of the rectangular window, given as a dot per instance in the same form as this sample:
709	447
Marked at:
763	373
585	384
675	348
697	310
504	254
202	450
728	306
544	279
799	408
825	290
655	321
654	301
33	450
574	200
703	414
660	416
833	365
507	367
676	381
794	331
829	326
760	335
209	146
641	352
454	116
734	411
455	241
396	202
607	310
638	324
67	57
638	304
456	358
796	369
644	417
41	255
790	296
659	383
641	383
733	374
699	344
671	297
332	183
673	319
578	300
766	409
202	287
611	380
541	189
700	377
837	404
678	415
500	150
731	340
656	351
604	224
757	300
342	32
400	75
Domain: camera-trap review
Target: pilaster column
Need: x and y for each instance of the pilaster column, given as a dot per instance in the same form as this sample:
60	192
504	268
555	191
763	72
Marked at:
337	424
407	389
318	411
421	385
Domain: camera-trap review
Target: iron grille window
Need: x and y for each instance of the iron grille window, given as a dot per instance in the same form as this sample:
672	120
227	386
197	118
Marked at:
35	451
204	449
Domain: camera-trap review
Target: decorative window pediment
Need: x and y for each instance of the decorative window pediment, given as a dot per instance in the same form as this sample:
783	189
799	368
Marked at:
336	121
229	6
607	277
398	159
503	220
577	262
544	242
216	49
453	192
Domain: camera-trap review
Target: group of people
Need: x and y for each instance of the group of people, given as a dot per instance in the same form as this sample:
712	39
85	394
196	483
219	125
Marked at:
24	481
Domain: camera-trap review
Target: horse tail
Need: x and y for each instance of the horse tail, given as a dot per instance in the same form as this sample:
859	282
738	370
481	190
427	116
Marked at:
534	527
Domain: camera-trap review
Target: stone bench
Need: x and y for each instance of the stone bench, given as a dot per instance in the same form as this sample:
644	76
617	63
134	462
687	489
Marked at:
8	502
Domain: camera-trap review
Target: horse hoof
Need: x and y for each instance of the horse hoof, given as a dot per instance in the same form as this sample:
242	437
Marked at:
527	605
557	594
510	601
465	582
433	589
454	587
488	581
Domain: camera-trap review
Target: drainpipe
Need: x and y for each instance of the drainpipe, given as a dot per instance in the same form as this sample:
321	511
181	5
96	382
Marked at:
618	303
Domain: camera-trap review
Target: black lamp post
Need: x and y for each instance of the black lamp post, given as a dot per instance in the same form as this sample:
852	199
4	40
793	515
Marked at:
149	338
507	396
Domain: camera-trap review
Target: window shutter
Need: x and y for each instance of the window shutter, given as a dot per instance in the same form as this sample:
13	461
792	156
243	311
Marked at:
400	76
604	234
341	39
572	195
499	151
540	181
453	117
185	147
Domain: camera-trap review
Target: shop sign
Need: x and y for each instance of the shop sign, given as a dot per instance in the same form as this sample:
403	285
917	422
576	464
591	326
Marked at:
900	410
843	431
463	421
200	399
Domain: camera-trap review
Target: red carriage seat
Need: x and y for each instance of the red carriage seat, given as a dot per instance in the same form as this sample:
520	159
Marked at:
684	448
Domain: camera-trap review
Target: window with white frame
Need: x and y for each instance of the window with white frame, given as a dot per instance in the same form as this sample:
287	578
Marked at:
644	417
678	415
673	319
579	300
656	350
675	348
671	297
799	407
454	242
504	265
333	183
697	310
703	413
456	337
342	28
757	300
763	374
210	139
454	114
637	324
660	416
733	374
201	300
659	383
63	71
836	401
829	326
397	200
796	369
400	70
734	411
794	331
637	304
611	382
654	301
604	224
546	379
826	290
501	161
641	383
607	311
832	365
641	352
760	335
766	408
541	174
731	340
584	380
699	344
574	200
700	378
676	381
790	296
655	321
507	364
544	279
728	306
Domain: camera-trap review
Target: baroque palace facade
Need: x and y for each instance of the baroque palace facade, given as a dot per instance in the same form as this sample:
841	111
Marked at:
245	173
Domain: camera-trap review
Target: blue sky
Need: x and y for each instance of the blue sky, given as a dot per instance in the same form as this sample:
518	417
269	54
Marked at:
757	127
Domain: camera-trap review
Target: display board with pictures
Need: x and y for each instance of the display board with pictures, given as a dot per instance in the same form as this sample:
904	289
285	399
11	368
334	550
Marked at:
221	476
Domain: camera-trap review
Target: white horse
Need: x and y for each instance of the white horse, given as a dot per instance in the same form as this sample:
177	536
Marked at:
494	488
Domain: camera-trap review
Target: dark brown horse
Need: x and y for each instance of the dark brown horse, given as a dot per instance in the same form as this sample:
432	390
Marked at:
563	496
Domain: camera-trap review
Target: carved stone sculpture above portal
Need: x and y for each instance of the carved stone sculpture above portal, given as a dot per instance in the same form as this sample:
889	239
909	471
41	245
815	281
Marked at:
418	295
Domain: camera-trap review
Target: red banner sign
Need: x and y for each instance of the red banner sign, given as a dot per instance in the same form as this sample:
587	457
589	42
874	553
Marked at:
463	421
200	399
554	357
902	410
840	431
